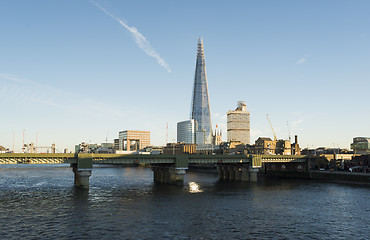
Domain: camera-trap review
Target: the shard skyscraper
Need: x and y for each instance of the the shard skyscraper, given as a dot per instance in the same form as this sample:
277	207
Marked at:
200	103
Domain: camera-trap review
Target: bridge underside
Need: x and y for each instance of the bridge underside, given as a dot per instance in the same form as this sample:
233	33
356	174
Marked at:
168	174
237	173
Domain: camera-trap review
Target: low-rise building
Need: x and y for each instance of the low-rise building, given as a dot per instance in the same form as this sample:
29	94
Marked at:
153	149
179	148
116	144
2	149
264	145
283	147
94	148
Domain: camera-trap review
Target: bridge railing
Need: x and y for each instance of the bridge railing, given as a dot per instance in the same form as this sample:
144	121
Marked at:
37	158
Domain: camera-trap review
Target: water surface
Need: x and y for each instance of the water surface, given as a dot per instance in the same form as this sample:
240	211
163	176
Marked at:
40	202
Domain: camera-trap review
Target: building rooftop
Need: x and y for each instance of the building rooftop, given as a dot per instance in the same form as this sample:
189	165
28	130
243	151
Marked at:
264	138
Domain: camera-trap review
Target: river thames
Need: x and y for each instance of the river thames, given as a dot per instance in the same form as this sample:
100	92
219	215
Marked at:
41	202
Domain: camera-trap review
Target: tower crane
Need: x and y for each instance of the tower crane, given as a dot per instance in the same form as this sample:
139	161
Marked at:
267	116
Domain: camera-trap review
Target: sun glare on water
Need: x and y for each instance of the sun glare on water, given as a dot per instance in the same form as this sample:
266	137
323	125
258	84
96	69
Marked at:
194	188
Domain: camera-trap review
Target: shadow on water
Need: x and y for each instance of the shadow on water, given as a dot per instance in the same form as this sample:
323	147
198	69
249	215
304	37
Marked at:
80	196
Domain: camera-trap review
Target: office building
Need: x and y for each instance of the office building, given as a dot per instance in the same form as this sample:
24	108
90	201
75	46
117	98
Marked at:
200	102
238	124
131	140
186	131
361	145
116	144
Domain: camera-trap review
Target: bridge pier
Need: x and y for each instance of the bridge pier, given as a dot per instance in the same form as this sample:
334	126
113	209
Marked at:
253	174
220	172
226	173
81	177
82	170
232	173
245	174
238	174
169	175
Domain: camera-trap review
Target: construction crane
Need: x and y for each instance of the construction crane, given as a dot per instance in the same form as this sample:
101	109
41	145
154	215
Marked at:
267	116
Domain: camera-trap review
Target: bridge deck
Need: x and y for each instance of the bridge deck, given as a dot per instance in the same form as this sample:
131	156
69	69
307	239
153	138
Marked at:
183	160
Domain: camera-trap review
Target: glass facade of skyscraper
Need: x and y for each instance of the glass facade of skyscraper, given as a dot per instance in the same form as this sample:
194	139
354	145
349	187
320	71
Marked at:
200	101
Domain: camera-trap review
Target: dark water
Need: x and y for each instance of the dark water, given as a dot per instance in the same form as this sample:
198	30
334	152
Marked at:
40	202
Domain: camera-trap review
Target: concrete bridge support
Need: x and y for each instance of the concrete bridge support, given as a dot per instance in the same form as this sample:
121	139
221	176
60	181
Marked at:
82	170
253	174
169	175
82	178
238	174
232	173
220	172
245	174
226	173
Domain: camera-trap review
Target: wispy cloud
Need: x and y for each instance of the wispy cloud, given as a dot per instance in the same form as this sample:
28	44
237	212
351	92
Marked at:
301	61
140	40
13	78
27	93
296	124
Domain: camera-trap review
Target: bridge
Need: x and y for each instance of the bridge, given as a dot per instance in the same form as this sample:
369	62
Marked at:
167	168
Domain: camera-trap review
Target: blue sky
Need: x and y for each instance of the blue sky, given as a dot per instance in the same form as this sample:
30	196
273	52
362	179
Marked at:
74	70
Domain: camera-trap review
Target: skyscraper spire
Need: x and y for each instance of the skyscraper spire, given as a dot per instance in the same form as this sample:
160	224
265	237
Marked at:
200	102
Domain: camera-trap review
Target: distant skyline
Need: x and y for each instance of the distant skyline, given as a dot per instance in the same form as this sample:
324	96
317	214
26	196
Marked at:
74	71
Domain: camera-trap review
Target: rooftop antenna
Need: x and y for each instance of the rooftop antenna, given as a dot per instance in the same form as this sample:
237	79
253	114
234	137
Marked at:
167	133
13	142
37	135
23	148
106	138
287	123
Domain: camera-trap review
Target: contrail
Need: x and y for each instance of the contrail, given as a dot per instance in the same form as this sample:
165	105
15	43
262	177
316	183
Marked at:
140	40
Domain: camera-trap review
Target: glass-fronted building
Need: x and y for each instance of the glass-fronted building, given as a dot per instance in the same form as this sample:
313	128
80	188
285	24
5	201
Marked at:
186	131
361	145
200	102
